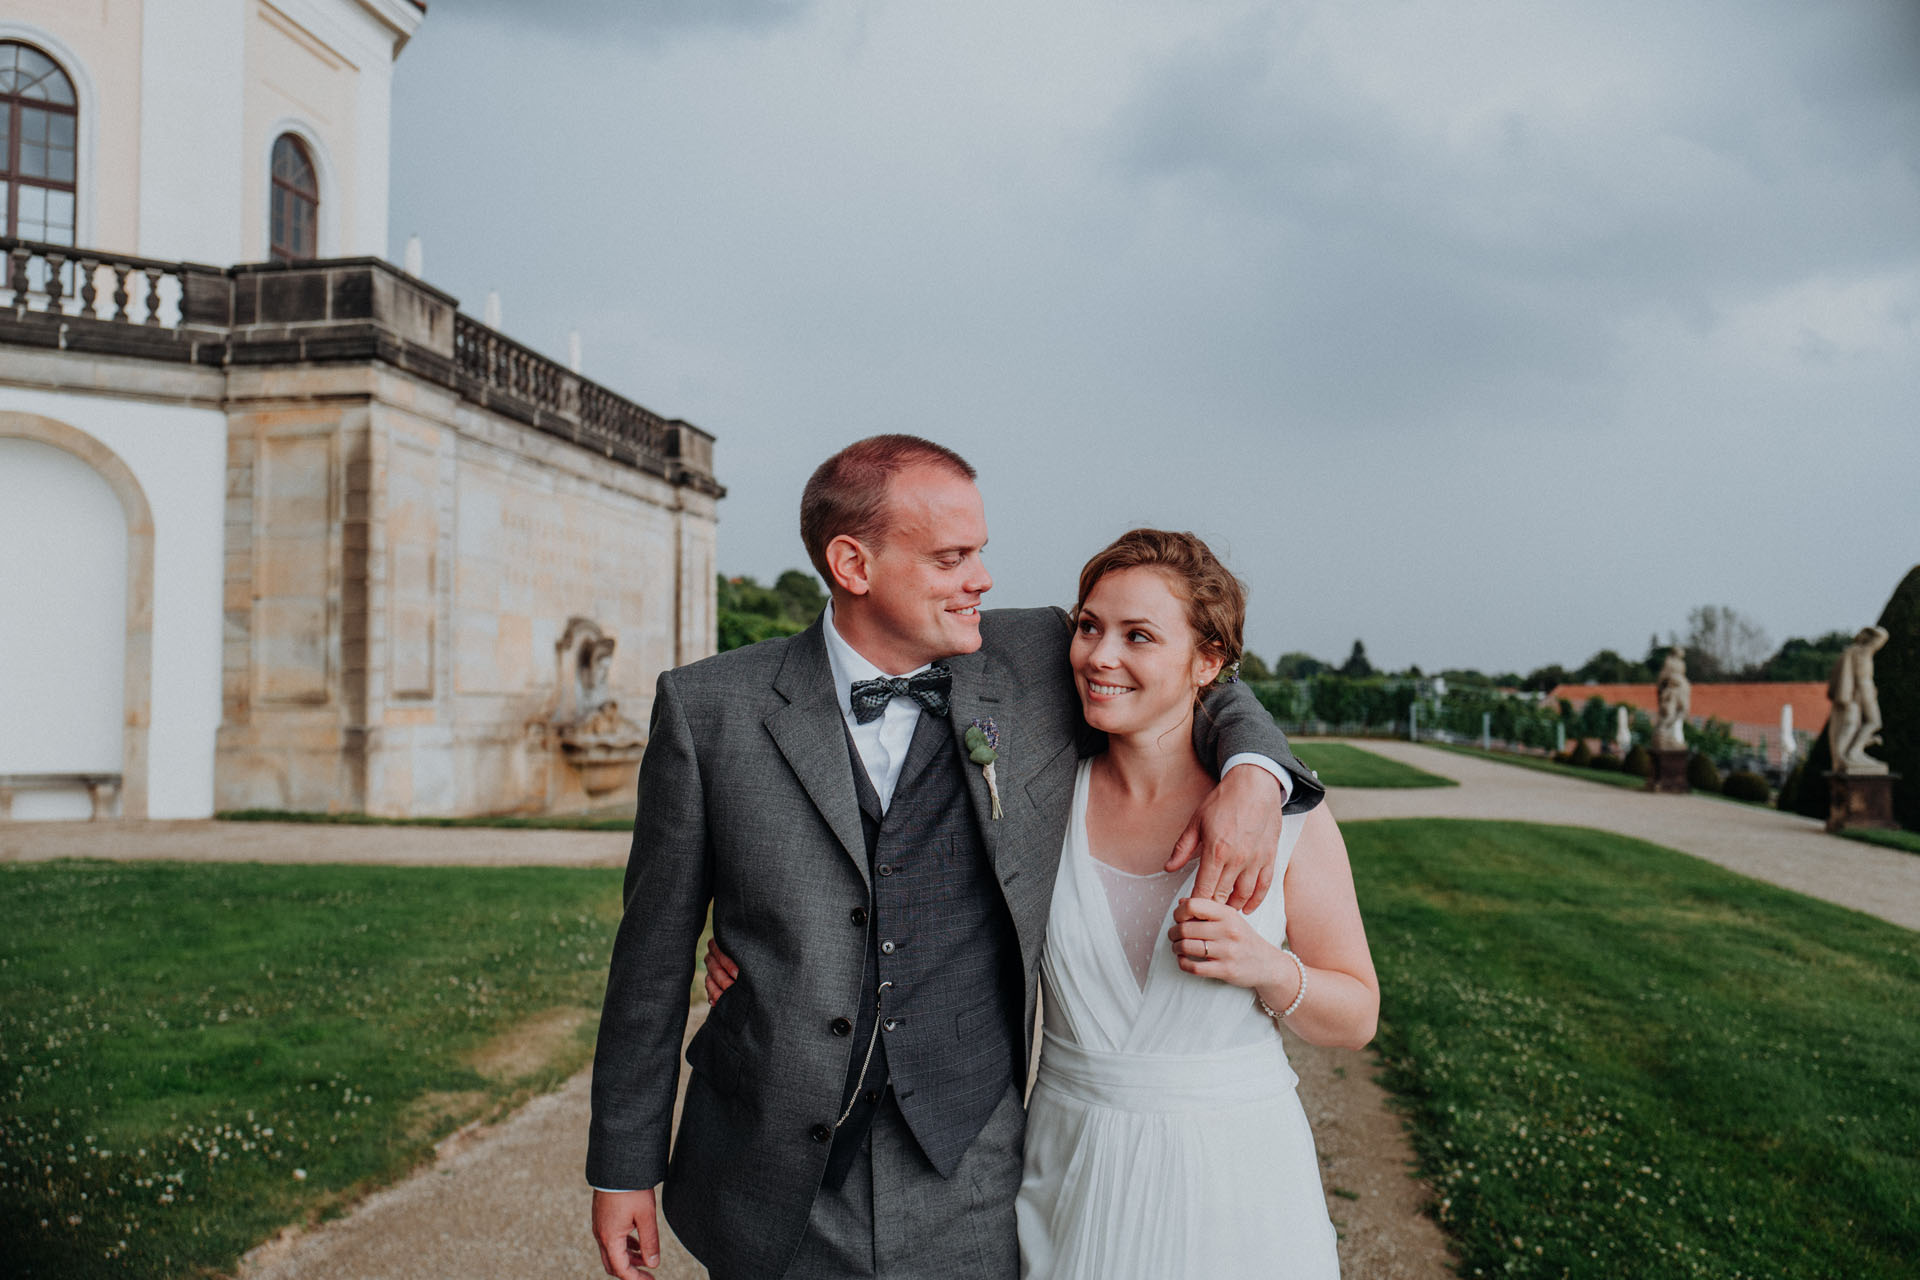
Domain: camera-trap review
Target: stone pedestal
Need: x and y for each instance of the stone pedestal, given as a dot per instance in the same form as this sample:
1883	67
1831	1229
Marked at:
1669	772
1860	801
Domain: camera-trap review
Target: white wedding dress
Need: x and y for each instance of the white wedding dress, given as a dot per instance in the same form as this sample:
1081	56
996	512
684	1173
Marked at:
1164	1136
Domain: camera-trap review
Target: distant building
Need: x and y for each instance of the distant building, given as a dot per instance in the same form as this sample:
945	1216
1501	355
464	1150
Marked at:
296	533
1752	709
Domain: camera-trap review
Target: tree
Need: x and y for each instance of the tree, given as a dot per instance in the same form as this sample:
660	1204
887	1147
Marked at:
1799	659
1252	668
1544	679
801	599
1294	665
1608	667
1724	644
748	612
1356	664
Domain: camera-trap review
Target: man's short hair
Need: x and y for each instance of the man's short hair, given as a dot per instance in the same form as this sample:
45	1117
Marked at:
847	494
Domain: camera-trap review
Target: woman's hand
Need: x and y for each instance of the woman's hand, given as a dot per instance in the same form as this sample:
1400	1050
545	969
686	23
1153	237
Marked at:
1213	940
721	972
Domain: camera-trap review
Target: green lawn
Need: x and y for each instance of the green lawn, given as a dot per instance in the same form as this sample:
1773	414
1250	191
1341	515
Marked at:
1623	1061
194	1055
1340	765
1542	764
1906	841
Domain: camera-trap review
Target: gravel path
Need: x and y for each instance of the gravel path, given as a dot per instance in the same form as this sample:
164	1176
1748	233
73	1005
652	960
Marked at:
210	841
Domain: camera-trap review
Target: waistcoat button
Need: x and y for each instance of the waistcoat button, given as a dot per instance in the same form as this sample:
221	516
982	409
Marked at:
890	1024
886	868
840	1027
886	948
820	1133
858	915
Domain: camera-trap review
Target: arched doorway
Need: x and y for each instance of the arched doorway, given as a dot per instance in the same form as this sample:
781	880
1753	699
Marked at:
76	615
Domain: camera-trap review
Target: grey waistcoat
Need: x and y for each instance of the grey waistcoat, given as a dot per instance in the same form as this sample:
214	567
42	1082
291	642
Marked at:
940	935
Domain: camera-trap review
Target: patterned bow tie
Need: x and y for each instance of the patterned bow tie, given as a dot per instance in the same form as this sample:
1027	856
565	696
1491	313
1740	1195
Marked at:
929	688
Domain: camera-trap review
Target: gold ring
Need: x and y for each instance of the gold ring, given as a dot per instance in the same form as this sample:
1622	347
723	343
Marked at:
1205	952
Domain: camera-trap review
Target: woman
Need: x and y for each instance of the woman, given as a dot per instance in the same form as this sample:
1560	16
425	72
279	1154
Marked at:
1164	1137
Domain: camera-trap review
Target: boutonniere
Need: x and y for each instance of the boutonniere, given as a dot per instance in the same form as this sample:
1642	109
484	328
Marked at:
983	740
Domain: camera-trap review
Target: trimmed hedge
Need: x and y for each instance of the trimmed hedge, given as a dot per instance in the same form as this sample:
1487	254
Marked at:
1745	784
1702	774
1896	672
1638	762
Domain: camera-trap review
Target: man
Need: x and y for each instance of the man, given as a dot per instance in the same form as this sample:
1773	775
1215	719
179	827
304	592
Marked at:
855	1100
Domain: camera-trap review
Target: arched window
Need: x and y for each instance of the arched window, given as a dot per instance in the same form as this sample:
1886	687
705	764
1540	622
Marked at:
296	202
39	119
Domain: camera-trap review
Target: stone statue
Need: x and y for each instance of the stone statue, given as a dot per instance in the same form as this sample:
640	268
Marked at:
600	743
1855	725
1622	732
1676	699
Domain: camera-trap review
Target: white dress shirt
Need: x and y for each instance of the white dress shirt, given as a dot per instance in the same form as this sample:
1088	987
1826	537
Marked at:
883	743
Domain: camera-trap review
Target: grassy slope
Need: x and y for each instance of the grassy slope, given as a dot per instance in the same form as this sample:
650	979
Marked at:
1905	841
1340	765
1624	1061
177	1039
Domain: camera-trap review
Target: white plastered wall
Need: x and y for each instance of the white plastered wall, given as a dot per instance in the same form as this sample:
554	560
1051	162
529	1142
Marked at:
178	454
192	149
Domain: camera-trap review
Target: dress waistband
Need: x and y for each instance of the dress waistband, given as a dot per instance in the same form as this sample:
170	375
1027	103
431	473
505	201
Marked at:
1167	1081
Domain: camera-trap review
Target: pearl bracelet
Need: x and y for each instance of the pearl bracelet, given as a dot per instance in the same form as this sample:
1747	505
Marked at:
1298	996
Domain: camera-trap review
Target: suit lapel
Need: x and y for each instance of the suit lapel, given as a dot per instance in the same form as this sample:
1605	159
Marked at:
811	734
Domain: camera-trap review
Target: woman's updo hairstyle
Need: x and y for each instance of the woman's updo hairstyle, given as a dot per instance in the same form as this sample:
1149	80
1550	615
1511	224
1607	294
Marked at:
1216	600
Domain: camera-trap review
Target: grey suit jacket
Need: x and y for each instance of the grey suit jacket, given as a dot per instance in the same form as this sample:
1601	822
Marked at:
747	802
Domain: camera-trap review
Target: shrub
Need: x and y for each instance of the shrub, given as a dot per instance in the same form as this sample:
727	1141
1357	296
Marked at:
1581	754
1606	764
1813	795
1638	762
1896	671
1745	784
1702	773
1789	801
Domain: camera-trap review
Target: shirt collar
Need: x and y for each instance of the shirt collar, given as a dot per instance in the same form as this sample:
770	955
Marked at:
848	666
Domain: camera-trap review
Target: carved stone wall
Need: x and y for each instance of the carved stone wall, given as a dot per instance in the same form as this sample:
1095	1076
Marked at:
400	566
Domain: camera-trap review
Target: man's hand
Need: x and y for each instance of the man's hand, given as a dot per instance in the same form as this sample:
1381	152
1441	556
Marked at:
720	974
1236	832
617	1217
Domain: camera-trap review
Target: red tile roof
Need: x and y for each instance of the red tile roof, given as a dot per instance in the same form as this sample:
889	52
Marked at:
1752	709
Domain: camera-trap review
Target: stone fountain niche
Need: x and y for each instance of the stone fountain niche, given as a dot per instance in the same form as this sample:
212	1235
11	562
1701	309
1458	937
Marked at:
602	746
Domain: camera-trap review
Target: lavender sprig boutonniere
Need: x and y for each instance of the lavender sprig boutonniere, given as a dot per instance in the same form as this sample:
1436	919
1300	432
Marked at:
983	741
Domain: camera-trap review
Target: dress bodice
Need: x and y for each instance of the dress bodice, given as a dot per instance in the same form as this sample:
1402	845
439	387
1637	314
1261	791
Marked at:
1093	1000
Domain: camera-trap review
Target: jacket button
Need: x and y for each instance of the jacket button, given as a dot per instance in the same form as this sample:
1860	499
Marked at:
886	948
886	868
840	1027
820	1133
872	1096
858	915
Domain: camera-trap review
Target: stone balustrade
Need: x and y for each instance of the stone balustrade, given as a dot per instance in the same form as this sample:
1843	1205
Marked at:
326	311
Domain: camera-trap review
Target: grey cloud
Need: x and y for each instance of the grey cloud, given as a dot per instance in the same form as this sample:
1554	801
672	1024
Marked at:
1494	273
623	18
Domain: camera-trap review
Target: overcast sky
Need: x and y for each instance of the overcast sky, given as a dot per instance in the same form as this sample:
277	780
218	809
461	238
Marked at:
1489	333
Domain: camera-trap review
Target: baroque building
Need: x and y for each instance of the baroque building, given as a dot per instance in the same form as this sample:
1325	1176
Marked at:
280	526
